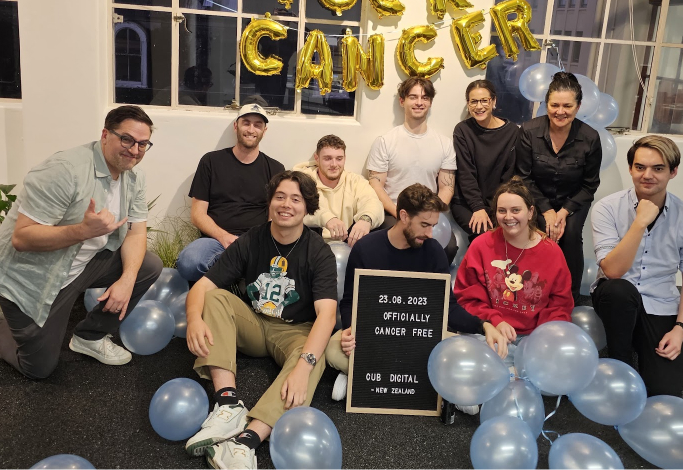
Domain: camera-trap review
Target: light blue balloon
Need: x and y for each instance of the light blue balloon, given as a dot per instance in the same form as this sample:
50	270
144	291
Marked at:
519	399
542	109
305	437
148	328
590	272
579	450
462	241
64	461
615	396
341	253
535	79
178	409
177	308
91	296
466	371
591	97
169	286
560	358
503	442
607	113
520	366
657	434
609	147
442	230
585	318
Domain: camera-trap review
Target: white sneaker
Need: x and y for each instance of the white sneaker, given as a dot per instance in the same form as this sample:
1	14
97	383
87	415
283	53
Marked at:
222	423
104	350
339	388
468	409
231	455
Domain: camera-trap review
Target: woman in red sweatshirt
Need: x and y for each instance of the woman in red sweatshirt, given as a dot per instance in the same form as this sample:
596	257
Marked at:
514	276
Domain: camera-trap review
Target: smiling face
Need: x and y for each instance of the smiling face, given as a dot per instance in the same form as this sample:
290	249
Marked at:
562	108
250	129
287	207
416	103
479	111
419	228
330	164
650	173
513	216
118	158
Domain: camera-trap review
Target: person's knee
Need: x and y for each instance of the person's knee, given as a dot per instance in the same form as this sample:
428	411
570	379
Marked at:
40	370
619	290
188	266
151	265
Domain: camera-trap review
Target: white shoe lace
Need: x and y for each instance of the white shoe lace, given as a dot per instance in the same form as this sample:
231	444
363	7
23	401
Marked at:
110	348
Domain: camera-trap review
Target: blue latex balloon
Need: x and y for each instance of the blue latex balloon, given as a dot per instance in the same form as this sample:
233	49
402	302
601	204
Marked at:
520	367
503	442
177	308
341	253
590	272
609	148
462	241
591	97
519	399
585	318
615	396
148	328
64	461
91	296
560	358
657	434
534	81
542	109
178	409
466	371
579	450
607	113
305	437
167	287
442	230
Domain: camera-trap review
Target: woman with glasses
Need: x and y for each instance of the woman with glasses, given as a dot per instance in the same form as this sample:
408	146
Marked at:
559	158
485	154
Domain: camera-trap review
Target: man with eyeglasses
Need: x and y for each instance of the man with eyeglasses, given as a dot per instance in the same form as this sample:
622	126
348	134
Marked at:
412	153
79	223
228	193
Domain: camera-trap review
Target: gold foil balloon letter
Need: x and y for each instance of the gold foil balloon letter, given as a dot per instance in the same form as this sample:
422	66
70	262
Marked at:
388	7
306	69
438	7
251	57
519	26
337	6
370	64
468	41
406	55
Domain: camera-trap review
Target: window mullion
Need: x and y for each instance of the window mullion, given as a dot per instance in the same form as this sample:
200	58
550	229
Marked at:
238	56
300	44
654	68
175	53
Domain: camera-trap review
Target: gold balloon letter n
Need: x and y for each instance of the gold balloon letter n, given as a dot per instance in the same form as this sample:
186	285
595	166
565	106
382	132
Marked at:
354	60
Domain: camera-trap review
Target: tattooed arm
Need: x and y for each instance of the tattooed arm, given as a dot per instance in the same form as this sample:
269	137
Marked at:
377	180
446	185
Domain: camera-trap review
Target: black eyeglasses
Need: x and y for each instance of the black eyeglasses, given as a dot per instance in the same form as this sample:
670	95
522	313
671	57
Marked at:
485	102
127	142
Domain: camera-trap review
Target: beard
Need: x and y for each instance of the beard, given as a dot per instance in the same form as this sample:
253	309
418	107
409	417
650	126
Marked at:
248	144
412	240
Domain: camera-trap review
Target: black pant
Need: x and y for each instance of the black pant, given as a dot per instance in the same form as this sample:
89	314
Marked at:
34	350
451	249
571	244
462	216
628	327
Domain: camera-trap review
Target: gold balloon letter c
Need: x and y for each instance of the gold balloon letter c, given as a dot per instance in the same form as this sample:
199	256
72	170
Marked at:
405	52
251	57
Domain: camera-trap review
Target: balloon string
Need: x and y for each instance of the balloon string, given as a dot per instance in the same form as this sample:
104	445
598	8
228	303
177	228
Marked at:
557	405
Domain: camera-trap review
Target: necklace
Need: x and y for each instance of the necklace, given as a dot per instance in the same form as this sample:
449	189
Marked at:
290	251
507	258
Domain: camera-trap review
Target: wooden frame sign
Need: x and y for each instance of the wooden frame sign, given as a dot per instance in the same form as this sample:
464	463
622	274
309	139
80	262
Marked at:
398	318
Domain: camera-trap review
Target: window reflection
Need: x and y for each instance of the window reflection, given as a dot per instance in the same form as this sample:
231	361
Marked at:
10	69
667	112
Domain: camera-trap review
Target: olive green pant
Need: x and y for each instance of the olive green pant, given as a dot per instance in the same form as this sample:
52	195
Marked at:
334	354
235	326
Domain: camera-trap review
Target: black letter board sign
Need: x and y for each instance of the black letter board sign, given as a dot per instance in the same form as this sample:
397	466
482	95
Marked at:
398	318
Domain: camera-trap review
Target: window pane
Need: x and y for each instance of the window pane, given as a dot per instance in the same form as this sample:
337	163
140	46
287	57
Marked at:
577	57
673	31
619	78
645	20
207	61
504	73
587	19
149	3
274	7
275	90
10	69
144	73
229	6
667	112
339	102
315	10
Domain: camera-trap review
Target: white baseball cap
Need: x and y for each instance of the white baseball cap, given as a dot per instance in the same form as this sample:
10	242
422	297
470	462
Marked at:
252	109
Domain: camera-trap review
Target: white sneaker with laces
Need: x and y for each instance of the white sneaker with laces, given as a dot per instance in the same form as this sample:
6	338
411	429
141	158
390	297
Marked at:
222	423
104	350
339	388
232	455
468	409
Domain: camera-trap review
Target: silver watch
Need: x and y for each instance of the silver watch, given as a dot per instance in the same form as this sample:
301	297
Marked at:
309	357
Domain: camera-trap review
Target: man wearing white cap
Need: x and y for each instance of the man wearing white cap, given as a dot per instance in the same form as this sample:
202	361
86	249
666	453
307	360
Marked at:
228	193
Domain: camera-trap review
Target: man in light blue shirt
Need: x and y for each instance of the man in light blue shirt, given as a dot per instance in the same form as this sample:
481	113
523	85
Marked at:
638	237
79	222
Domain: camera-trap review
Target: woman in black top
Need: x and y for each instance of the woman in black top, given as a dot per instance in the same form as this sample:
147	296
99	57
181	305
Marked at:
485	155
559	159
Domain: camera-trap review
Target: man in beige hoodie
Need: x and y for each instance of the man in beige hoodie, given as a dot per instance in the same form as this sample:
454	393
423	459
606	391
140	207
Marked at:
349	207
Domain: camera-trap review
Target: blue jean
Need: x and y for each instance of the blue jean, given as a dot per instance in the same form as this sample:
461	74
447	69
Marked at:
197	257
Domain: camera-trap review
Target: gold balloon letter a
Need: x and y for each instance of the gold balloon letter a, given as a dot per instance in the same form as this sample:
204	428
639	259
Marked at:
354	60
438	7
519	26
388	7
306	69
251	57
406	55
467	41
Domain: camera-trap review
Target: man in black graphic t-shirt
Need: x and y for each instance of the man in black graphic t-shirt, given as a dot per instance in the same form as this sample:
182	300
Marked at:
228	193
288	313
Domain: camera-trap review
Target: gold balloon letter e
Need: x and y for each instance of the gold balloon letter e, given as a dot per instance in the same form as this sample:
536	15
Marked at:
467	41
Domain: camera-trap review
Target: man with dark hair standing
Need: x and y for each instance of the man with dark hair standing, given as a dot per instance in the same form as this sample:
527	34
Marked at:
638	237
407	246
349	207
80	222
412	153
289	313
227	193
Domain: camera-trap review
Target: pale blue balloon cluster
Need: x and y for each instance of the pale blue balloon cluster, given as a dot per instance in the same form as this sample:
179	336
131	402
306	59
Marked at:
63	461
341	254
598	110
178	409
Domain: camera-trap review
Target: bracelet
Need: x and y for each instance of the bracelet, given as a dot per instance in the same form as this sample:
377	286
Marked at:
679	324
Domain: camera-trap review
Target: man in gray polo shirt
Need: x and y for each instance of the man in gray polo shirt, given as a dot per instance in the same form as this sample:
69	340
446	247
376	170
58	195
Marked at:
638	237
79	222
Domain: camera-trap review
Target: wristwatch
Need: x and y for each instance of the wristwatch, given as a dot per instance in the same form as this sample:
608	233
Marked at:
679	324
309	357
365	218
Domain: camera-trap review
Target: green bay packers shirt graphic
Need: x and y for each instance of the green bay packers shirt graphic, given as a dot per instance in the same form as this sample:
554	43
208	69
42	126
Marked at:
275	290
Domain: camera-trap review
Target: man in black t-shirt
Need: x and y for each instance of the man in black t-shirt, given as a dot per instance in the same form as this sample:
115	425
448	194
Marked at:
228	193
288	313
